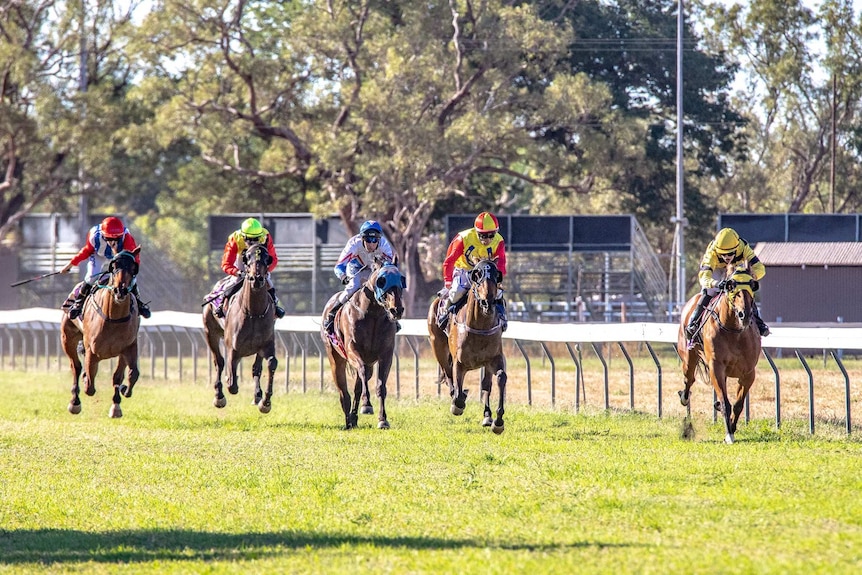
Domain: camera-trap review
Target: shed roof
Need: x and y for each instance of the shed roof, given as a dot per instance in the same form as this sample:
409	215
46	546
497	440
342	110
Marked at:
809	253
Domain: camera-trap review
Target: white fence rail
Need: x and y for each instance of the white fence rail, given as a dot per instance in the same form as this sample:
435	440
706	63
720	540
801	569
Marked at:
31	336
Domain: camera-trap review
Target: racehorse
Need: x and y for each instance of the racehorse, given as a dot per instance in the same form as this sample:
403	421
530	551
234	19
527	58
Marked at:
108	327
729	346
248	328
364	334
474	340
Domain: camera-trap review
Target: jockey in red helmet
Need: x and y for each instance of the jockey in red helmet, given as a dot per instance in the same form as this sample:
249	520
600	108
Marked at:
104	241
482	241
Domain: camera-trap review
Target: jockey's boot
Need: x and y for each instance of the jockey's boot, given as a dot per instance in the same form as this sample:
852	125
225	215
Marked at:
443	319
761	325
78	304
329	324
501	309
694	321
279	309
143	308
229	291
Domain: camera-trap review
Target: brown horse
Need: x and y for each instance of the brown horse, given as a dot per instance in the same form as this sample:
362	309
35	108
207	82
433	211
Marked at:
364	334
108	327
474	340
248	328
728	346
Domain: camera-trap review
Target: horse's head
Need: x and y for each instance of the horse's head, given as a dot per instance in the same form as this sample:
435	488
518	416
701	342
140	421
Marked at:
740	288
388	284
256	259
485	280
123	269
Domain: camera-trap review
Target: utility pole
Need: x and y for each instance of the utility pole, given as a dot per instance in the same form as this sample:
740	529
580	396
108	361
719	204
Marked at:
83	205
679	220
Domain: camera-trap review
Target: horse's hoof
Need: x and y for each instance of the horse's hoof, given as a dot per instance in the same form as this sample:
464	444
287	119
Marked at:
74	408
498	429
220	402
90	390
264	407
728	439
367	410
115	412
233	389
382	425
126	390
683	397
487	421
456	410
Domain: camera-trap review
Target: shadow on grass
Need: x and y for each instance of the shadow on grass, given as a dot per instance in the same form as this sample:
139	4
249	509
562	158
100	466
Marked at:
59	546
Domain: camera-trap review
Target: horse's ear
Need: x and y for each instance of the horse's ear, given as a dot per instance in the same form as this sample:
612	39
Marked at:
136	251
403	282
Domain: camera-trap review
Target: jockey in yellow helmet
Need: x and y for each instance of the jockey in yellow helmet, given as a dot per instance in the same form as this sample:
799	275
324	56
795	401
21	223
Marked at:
726	249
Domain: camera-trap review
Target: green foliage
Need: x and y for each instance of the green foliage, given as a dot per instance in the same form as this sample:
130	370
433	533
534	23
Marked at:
177	486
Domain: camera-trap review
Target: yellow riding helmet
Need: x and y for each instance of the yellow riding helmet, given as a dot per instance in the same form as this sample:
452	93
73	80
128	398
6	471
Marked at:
486	222
726	241
252	229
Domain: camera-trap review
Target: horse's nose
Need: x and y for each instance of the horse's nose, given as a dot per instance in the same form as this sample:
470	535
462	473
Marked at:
399	311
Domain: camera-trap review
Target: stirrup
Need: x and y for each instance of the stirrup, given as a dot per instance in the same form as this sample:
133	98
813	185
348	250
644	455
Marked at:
218	312
75	311
279	311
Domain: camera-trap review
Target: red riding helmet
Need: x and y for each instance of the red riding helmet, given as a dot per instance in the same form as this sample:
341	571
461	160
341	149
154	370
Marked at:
486	222
112	227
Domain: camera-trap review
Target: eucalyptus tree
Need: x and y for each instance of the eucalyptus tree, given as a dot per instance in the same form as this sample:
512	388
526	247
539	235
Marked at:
802	89
378	109
63	74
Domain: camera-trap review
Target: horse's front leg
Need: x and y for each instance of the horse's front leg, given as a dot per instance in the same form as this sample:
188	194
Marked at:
384	365
719	383
499	427
745	383
232	362
459	397
131	360
117	380
485	386
367	372
256	371
265	405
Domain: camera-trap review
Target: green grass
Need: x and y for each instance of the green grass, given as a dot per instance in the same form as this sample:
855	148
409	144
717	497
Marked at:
177	486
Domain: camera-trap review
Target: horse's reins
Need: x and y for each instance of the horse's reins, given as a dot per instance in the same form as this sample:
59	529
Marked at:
711	309
485	304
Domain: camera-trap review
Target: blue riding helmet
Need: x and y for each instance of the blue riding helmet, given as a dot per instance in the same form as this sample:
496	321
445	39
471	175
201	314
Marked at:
371	228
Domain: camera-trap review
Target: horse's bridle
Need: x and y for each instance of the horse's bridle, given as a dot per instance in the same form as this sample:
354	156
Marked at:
478	276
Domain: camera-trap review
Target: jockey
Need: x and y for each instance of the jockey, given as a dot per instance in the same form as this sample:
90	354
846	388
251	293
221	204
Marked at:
104	241
250	232
481	241
354	264
726	249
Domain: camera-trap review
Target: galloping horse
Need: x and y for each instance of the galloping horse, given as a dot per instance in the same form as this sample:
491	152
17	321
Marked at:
474	340
248	328
365	330
108	326
729	346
